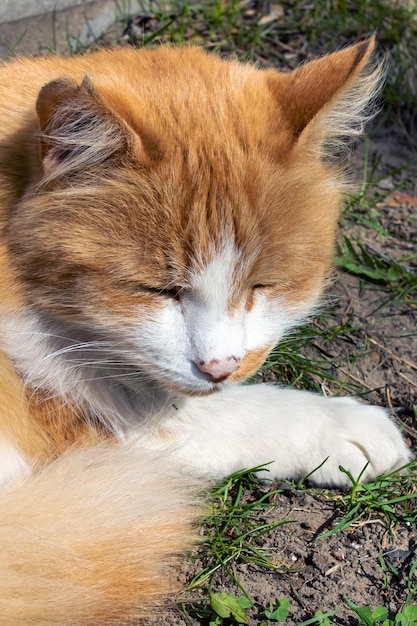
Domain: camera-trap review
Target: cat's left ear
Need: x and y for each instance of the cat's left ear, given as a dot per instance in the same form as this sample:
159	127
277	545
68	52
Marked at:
328	95
77	129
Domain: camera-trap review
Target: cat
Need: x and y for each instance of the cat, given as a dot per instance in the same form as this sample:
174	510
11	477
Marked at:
166	216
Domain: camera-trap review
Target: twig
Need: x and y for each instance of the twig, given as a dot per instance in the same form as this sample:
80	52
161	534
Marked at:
394	356
356	379
410	382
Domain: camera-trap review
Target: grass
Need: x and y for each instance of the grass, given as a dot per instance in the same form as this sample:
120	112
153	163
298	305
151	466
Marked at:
391	497
239	517
234	526
306	359
360	259
379	616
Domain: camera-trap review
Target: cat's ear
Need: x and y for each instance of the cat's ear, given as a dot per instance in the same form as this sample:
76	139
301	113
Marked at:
76	128
332	91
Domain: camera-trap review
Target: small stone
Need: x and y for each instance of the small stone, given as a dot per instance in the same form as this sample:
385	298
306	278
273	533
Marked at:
374	357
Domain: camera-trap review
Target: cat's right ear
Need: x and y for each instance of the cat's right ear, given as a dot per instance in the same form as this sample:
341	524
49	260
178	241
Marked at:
327	98
78	130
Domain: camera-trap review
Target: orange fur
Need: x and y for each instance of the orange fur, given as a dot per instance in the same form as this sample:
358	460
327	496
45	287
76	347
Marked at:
245	154
84	549
250	363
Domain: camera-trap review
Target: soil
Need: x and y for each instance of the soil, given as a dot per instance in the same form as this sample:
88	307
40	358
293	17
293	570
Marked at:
316	573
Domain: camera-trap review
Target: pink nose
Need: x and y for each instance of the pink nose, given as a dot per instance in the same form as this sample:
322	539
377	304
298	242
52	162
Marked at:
219	369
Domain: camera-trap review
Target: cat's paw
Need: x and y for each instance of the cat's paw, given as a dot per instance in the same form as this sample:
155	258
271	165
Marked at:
362	439
289	432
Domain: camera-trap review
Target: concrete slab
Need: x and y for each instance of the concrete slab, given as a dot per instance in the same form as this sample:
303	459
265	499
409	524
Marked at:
11	11
58	26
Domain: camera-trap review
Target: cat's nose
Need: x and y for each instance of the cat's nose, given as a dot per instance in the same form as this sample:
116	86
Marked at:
219	369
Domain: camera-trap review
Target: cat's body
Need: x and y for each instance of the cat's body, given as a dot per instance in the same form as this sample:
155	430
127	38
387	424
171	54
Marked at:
164	221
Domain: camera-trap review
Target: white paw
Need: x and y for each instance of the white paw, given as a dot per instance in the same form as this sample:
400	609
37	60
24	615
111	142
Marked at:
360	438
294	431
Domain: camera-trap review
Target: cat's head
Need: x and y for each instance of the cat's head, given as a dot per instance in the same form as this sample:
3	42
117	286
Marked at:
186	210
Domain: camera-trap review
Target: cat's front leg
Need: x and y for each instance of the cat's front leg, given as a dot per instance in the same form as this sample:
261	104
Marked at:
246	426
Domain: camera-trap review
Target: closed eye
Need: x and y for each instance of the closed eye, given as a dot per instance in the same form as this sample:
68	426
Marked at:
172	292
138	287
263	286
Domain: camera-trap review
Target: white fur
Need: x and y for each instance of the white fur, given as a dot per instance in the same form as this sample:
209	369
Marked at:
12	464
216	329
247	426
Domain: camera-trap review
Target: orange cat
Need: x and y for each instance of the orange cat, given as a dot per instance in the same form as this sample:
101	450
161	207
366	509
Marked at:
166	217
